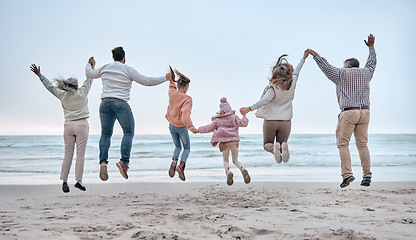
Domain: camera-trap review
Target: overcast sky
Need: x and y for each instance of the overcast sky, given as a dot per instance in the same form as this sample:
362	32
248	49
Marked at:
226	48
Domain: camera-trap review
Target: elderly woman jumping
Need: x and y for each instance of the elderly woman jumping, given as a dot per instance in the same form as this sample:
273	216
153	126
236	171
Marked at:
74	103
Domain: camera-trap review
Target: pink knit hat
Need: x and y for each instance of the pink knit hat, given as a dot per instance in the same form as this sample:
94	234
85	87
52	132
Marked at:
224	105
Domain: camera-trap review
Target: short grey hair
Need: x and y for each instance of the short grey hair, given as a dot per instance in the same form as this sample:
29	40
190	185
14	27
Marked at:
352	62
68	85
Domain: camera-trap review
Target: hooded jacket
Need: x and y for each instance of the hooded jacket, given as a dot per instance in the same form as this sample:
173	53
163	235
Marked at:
224	128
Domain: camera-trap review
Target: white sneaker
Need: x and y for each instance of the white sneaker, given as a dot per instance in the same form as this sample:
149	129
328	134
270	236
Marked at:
277	153
285	152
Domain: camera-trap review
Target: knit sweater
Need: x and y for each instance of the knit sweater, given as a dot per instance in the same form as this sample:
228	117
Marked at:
74	104
117	78
179	108
280	106
224	128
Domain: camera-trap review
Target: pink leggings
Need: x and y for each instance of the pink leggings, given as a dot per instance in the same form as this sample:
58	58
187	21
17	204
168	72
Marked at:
275	130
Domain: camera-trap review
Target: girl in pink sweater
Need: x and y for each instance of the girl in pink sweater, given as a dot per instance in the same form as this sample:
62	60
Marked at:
225	131
179	118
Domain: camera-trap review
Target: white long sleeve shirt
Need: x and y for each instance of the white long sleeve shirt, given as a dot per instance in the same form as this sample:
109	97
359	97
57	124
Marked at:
117	78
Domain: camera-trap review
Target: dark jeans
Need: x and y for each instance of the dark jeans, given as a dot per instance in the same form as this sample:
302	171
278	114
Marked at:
109	112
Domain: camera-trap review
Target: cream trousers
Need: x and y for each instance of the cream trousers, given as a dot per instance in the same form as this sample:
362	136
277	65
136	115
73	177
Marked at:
349	122
75	133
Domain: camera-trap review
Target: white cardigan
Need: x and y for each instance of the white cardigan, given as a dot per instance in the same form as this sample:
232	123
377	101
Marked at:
276	103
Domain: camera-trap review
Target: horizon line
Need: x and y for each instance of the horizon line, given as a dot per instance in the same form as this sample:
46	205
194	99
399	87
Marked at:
138	134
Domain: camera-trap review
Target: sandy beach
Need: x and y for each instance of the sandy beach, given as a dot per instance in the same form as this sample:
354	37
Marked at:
260	210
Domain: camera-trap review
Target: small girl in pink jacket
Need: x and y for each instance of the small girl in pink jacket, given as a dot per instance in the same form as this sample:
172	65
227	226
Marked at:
225	131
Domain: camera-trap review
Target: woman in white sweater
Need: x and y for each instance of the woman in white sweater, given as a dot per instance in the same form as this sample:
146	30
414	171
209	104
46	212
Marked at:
74	103
275	107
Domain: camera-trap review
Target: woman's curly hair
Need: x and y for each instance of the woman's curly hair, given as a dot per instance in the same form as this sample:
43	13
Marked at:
282	73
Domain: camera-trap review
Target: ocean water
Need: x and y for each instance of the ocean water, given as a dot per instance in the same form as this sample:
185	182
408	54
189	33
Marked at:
314	157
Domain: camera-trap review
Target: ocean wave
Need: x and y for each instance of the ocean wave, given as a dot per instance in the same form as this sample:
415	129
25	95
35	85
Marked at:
30	145
44	154
23	171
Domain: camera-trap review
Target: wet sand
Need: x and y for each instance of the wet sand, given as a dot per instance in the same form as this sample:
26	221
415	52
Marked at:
259	210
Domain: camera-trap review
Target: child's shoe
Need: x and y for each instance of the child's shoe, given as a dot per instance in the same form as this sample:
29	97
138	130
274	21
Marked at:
285	152
172	168
181	171
246	176
230	176
277	153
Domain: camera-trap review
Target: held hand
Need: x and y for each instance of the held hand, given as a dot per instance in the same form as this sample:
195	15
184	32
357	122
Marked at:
35	69
370	41
168	76
312	52
305	54
92	62
195	131
244	110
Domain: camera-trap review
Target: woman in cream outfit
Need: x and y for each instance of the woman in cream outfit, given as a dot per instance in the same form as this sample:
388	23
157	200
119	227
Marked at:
74	103
275	107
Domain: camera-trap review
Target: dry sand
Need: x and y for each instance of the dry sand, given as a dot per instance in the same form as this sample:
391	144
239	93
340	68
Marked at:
259	210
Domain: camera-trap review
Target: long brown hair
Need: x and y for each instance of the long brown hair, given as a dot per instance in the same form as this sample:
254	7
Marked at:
282	73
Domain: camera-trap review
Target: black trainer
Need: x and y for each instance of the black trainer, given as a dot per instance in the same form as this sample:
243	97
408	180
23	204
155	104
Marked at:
65	187
347	181
366	181
79	186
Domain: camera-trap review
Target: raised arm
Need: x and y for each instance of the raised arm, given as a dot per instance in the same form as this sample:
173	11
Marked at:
144	80
48	85
300	64
372	60
172	87
90	72
331	72
299	67
86	86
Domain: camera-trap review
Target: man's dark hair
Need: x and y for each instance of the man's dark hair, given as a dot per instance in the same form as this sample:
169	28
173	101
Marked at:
352	62
118	53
